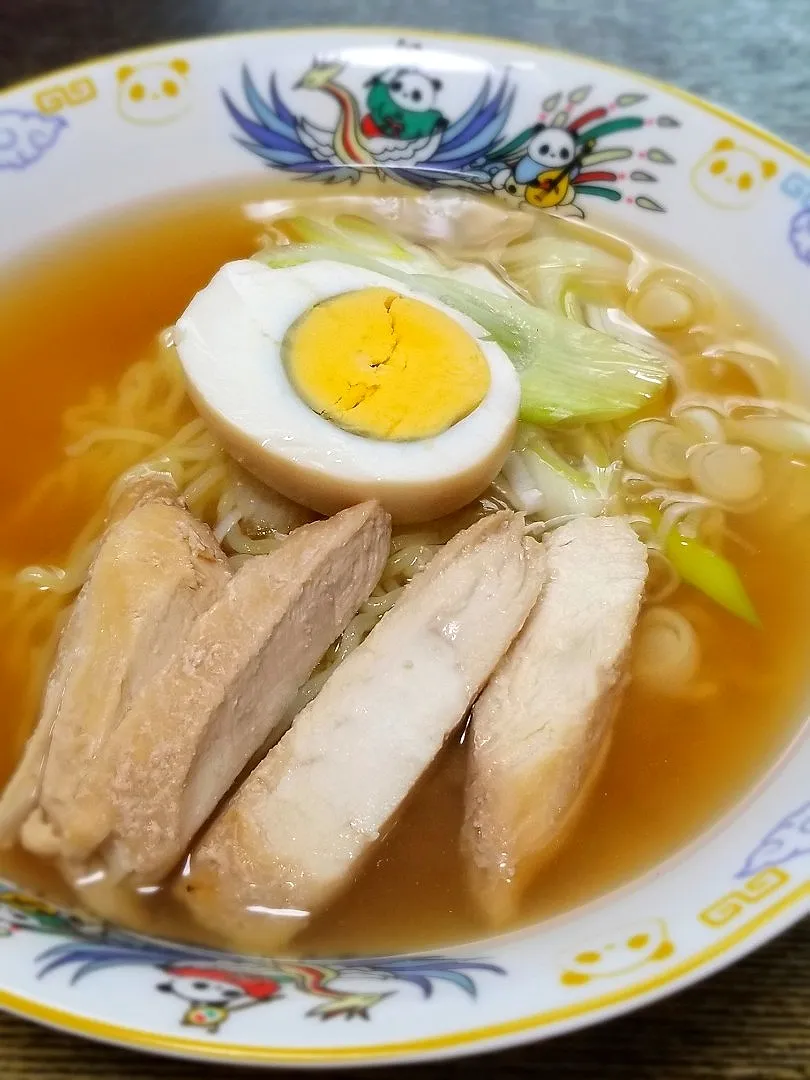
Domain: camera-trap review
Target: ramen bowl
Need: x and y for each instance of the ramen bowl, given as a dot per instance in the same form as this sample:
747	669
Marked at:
665	169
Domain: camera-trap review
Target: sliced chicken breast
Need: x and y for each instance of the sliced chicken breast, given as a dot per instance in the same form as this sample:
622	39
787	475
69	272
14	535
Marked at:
297	831
142	484
225	692
540	731
155	571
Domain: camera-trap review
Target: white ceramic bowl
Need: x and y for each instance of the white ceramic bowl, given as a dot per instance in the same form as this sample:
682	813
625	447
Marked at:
77	143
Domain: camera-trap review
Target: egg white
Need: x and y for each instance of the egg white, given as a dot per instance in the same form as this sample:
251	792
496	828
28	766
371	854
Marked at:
229	341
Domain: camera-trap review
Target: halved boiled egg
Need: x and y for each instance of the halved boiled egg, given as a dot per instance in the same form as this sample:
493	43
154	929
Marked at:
334	384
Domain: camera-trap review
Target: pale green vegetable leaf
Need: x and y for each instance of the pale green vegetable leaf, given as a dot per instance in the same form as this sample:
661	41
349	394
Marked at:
567	371
349	232
566	489
711	573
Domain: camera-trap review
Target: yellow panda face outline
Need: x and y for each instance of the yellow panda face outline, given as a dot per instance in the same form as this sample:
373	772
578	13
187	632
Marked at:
626	950
154	93
731	177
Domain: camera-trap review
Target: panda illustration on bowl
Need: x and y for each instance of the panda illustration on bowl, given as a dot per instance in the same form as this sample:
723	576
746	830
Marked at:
563	154
401	105
544	174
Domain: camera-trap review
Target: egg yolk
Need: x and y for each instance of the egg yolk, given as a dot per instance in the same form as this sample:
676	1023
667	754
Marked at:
385	366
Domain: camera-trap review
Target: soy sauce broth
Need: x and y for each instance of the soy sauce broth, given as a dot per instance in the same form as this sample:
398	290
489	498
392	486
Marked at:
79	317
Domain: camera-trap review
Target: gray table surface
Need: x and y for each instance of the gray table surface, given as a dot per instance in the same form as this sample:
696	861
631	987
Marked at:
753	1021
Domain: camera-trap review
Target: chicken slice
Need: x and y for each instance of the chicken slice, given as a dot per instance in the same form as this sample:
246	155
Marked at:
298	829
226	690
540	731
143	484
155	571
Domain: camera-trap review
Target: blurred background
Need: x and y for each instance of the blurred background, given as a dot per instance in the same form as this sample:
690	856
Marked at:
750	55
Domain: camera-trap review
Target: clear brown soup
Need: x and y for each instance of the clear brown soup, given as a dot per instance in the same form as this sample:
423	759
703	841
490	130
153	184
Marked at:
79	316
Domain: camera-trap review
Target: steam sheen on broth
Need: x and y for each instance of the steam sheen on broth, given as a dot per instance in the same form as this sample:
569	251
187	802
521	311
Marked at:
676	760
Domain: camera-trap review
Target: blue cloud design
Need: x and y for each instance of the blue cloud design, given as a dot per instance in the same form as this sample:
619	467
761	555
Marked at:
25	137
786	841
800	235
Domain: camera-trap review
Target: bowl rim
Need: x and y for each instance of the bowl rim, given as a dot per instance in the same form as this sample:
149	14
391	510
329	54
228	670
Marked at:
485	1038
721	111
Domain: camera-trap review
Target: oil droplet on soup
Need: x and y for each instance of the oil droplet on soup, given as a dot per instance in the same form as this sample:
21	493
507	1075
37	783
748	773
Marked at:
675	763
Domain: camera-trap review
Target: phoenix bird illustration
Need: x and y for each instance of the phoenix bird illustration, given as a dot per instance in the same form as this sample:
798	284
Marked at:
452	154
